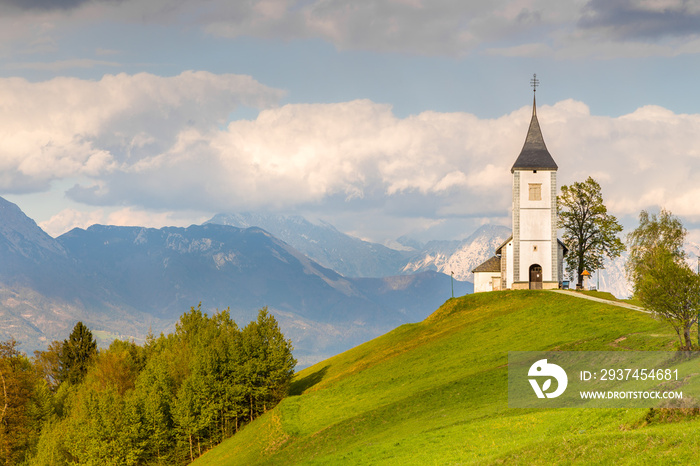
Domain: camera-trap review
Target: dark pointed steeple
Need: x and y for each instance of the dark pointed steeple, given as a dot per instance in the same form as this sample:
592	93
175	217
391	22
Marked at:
534	155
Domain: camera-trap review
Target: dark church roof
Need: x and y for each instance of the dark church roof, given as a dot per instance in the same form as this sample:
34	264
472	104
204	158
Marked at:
491	265
499	249
534	155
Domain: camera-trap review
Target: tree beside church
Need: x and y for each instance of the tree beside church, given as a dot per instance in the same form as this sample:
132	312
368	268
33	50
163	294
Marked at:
589	230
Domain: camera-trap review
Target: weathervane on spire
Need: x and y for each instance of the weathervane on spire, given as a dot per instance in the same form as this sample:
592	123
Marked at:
534	82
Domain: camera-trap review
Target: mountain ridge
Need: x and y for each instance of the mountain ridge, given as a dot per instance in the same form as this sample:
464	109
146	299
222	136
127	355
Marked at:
351	256
122	280
347	255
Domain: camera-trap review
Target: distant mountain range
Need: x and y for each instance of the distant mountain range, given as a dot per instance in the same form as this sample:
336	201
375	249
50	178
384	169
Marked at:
329	290
354	257
122	280
44	290
347	255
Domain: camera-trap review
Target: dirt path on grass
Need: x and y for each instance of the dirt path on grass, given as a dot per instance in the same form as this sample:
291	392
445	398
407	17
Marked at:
601	300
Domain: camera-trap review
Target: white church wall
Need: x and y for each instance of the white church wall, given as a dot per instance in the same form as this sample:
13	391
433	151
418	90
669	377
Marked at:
535	224
509	267
536	252
543	178
483	281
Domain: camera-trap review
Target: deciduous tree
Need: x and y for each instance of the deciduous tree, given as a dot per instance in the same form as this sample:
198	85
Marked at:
268	364
48	364
16	391
590	232
663	281
154	387
164	403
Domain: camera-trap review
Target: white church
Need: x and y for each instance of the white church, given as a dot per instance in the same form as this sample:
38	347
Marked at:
533	256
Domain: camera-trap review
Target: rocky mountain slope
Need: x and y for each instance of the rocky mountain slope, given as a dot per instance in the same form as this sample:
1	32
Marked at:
460	257
348	255
122	280
322	242
353	257
44	290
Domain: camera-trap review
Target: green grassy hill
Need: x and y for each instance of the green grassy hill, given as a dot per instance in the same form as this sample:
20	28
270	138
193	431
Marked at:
435	392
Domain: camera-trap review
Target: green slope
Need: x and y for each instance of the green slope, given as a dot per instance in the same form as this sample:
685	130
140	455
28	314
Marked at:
435	392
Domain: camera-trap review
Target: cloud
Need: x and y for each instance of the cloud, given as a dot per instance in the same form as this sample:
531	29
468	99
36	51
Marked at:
68	219
425	165
309	153
70	127
535	50
529	28
43	4
647	19
442	27
154	144
647	158
52	4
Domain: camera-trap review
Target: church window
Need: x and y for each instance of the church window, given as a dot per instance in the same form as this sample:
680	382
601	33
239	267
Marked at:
534	248
535	191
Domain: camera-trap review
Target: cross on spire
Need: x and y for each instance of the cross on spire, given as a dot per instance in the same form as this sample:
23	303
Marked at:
534	82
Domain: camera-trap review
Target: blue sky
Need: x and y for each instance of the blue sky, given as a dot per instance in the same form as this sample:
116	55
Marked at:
384	118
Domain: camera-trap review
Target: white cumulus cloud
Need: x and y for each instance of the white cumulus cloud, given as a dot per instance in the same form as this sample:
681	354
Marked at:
147	147
67	126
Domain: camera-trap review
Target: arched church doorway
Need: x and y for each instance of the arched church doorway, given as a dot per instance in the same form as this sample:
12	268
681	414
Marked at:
535	277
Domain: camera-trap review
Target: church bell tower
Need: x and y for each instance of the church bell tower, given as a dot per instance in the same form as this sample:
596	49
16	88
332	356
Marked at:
535	249
533	257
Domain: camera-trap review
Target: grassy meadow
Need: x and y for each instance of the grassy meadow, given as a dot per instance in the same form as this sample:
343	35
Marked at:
435	392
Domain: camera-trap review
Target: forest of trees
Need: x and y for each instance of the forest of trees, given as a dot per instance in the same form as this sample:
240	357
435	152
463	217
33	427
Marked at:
165	402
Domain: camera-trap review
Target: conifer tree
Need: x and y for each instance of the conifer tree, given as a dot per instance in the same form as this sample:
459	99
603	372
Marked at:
76	354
